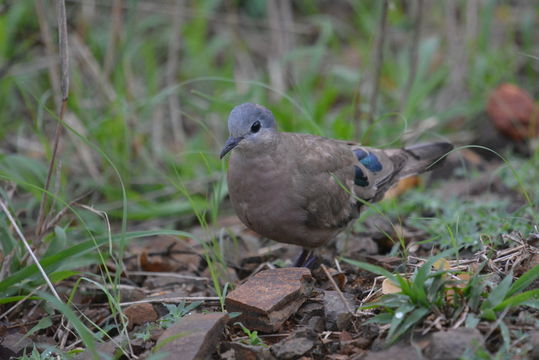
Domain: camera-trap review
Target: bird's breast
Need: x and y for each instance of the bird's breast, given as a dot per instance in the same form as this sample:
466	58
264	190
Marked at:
264	199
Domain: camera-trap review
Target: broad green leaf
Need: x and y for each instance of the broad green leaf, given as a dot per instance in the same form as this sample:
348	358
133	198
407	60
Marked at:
413	318
524	280
499	293
374	269
517	299
398	317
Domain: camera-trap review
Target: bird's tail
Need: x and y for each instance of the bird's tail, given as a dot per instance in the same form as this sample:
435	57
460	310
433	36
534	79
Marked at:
423	157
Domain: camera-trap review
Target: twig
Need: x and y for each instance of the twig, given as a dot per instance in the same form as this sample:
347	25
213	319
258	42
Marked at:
52	222
168	274
413	53
174	299
379	58
30	251
64	90
336	287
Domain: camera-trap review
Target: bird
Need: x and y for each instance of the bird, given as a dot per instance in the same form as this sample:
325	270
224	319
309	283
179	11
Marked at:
304	189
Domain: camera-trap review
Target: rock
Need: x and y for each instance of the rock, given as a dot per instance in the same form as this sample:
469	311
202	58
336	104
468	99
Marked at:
251	352
139	314
451	344
337	314
513	112
270	297
16	344
192	337
131	294
295	345
317	323
110	349
398	351
534	341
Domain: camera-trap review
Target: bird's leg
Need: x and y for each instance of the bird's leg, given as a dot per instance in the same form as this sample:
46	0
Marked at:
302	258
310	262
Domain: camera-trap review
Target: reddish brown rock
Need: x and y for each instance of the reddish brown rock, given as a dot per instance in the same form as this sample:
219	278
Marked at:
192	337
270	297
140	314
513	112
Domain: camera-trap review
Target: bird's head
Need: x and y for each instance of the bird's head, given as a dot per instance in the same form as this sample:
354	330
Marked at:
248	123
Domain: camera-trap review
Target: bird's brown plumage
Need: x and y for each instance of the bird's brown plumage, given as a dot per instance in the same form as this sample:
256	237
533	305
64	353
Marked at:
299	188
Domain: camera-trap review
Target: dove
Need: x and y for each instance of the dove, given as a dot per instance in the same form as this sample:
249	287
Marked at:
304	189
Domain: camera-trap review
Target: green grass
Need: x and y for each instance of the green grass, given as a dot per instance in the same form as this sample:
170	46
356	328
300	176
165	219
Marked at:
120	157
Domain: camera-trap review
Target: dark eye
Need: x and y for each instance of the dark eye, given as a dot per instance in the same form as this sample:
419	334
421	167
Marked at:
255	127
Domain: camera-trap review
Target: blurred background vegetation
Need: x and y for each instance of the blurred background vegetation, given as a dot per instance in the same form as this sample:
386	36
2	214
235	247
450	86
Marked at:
152	83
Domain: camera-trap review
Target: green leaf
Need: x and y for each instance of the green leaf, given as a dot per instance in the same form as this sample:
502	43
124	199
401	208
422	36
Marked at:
374	269
524	280
52	262
517	299
86	336
416	316
398	317
11	299
42	324
499	293
62	275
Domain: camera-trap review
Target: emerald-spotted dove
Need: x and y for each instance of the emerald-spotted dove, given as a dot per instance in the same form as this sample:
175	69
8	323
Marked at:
304	189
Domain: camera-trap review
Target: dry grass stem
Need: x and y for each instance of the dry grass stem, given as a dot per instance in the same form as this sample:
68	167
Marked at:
29	249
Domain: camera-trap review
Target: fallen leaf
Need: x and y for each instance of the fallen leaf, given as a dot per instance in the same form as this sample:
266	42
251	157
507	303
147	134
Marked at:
389	287
402	186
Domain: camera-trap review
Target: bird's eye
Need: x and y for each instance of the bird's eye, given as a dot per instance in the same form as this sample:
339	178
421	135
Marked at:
255	127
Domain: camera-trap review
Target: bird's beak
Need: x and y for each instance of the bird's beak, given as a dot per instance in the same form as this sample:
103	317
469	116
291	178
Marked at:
230	144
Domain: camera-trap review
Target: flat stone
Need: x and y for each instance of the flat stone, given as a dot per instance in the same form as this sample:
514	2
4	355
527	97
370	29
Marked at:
398	351
451	344
337	315
192	337
270	297
139	314
250	352
297	344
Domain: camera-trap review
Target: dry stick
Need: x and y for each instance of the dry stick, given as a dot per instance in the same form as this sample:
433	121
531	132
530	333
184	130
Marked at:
64	90
174	299
49	49
413	53
27	245
336	287
116	19
379	58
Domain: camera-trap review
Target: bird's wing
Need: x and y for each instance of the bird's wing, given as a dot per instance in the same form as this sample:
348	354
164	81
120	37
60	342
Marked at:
335	178
323	177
